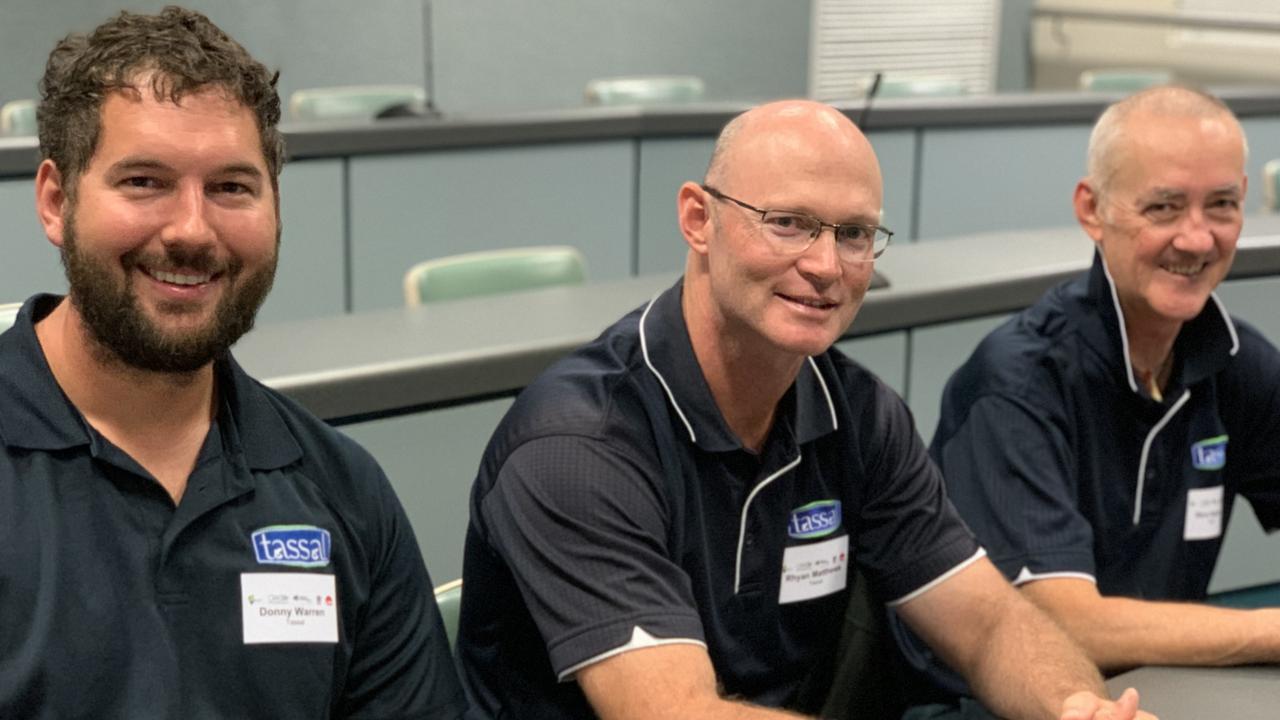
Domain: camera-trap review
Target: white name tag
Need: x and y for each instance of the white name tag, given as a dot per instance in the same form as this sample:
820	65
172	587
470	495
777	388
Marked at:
813	570
1204	514
289	608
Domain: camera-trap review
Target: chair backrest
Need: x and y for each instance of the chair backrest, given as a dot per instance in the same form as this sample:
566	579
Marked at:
1123	79
449	600
1271	185
892	87
18	117
644	89
8	313
491	272
352	101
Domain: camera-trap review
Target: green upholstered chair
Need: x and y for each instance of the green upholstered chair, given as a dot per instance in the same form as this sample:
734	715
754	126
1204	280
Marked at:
491	272
1271	185
353	101
449	600
8	313
892	87
644	90
18	117
1123	80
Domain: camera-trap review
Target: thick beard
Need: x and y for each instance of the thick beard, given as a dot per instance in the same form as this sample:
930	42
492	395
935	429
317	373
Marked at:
118	325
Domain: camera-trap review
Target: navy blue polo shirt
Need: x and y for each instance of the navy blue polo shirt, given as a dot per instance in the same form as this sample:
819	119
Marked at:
614	509
116	603
1064	466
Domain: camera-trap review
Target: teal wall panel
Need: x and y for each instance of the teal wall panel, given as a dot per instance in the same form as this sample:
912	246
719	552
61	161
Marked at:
28	261
310	279
409	208
975	180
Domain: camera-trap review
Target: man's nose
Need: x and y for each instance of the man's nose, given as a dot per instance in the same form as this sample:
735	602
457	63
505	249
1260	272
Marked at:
189	219
821	260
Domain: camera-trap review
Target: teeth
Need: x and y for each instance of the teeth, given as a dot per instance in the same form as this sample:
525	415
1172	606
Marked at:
811	303
176	279
1187	270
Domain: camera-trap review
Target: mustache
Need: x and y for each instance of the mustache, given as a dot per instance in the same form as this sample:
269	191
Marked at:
181	257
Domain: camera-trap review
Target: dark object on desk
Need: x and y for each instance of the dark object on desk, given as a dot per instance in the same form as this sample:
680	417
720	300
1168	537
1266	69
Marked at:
409	109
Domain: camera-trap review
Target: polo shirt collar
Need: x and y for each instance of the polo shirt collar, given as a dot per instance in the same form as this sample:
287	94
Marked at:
253	425
1205	345
668	354
38	416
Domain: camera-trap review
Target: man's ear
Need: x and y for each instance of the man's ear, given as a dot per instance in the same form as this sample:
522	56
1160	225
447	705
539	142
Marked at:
51	201
1086	202
693	211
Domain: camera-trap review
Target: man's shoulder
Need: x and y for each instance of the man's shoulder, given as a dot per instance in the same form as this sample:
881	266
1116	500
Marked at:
1015	356
598	383
271	425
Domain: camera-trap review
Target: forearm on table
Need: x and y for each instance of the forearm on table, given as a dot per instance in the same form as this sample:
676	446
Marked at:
1120	633
1028	665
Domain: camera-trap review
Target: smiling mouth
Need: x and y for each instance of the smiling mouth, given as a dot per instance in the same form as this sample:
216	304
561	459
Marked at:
176	278
1189	269
817	303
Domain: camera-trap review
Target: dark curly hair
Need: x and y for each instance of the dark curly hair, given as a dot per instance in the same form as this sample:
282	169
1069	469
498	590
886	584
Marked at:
181	50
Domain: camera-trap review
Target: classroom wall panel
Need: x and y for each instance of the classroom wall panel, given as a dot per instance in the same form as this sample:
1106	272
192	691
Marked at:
310	277
28	262
976	180
414	207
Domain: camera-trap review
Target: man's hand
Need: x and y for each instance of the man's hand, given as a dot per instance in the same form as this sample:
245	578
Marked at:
1087	706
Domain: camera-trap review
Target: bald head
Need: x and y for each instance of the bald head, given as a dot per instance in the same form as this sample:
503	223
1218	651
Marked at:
1123	121
795	128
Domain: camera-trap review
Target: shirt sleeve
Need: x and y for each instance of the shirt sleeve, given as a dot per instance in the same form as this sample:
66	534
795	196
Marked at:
1250	408
583	528
909	534
1008	469
401	665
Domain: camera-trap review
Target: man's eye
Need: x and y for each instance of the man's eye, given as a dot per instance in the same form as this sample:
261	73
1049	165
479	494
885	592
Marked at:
855	233
231	188
140	181
1162	211
786	224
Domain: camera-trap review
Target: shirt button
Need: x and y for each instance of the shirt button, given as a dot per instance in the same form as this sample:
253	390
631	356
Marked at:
750	540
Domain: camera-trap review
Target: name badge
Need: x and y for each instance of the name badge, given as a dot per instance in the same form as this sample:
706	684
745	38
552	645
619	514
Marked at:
289	608
1204	514
814	570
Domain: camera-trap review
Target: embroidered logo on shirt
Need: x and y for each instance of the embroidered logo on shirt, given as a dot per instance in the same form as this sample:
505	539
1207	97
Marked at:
293	545
1210	453
815	520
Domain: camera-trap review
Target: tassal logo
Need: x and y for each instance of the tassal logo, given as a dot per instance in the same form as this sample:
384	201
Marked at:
814	520
293	545
1210	453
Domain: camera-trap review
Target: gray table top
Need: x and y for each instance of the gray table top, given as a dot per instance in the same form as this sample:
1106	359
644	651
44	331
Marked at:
18	157
1178	693
400	360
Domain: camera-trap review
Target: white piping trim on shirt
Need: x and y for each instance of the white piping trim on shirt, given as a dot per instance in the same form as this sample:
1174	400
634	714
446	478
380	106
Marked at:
742	524
639	640
938	580
1124	334
1146	448
644	350
835	424
1226	319
1025	576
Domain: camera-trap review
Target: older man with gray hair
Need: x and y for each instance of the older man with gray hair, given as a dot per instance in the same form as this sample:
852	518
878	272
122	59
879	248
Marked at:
1096	441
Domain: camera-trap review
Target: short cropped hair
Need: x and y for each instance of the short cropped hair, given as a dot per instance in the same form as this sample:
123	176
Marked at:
181	51
1106	142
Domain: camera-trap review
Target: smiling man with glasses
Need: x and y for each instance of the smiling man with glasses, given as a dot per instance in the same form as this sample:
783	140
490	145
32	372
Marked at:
670	522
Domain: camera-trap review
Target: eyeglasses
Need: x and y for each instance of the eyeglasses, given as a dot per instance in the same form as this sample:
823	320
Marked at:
791	233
